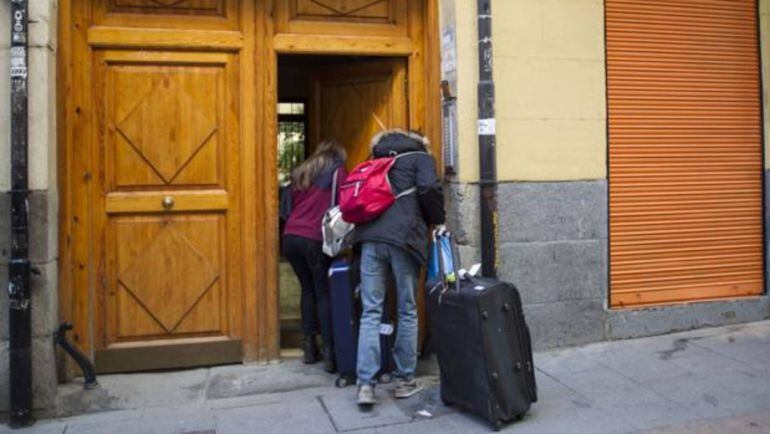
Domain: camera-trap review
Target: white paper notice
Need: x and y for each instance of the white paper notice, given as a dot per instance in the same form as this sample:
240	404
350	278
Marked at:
486	127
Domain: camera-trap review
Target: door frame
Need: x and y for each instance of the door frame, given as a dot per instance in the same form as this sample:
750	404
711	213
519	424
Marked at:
258	43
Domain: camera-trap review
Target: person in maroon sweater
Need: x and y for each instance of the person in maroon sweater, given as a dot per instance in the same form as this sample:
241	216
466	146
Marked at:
311	195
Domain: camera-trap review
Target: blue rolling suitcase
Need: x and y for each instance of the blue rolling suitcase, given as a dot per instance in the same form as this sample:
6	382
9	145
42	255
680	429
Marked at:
346	310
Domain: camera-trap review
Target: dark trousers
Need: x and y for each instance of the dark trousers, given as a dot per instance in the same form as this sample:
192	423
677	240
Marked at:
311	266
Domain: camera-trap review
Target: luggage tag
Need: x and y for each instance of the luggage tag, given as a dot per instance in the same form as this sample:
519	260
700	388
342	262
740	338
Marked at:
386	329
470	274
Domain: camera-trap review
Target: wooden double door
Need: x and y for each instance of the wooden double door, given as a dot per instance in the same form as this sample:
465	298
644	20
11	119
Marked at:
169	210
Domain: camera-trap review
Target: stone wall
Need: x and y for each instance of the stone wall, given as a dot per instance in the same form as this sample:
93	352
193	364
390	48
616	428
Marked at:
43	205
553	246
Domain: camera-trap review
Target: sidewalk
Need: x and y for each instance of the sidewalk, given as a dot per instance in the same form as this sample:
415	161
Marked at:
705	381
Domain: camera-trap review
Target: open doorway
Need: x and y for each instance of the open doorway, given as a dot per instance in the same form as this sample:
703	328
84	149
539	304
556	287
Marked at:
347	98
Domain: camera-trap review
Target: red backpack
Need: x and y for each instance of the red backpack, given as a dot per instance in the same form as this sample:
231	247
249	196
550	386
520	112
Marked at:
367	193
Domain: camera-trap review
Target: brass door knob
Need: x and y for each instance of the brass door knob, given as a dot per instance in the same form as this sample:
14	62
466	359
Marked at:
168	202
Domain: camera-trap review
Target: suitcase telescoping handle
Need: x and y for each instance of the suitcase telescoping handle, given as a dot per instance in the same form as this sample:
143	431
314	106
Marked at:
455	261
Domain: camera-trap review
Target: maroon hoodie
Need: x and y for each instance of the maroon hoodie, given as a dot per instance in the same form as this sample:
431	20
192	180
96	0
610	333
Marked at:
308	206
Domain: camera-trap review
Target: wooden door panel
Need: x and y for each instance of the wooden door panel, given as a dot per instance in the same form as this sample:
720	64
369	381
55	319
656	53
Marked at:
353	102
351	18
167	14
166	122
167	206
374	10
192	7
169	278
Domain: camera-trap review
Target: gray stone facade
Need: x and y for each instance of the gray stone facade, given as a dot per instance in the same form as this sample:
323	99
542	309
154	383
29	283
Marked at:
553	244
44	299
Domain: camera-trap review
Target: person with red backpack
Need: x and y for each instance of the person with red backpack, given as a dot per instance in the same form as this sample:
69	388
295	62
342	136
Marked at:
395	241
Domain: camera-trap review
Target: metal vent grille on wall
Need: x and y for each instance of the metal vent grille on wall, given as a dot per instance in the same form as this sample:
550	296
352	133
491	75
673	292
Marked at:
685	150
449	133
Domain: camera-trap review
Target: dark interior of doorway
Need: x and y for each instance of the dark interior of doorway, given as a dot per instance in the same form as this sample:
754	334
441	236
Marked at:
294	126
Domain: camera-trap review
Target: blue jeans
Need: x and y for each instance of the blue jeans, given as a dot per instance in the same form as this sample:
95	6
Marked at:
377	259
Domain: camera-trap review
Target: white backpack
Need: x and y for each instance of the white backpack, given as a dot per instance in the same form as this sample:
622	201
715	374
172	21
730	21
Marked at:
337	233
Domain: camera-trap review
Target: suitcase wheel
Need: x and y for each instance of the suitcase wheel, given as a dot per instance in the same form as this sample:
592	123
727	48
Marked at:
497	425
343	381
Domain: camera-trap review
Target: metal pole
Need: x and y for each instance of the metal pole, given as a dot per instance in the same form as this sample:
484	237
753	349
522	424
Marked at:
487	148
20	319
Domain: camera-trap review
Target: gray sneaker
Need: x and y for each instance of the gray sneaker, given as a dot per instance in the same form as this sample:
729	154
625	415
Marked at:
407	388
366	396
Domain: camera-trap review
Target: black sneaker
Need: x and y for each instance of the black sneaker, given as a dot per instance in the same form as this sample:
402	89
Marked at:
309	349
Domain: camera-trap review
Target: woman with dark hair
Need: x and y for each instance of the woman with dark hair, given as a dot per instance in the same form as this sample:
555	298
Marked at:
311	192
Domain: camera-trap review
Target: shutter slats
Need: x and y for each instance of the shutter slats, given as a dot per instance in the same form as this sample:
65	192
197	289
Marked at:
685	153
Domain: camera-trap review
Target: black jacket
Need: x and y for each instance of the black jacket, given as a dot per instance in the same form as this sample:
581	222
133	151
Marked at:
405	223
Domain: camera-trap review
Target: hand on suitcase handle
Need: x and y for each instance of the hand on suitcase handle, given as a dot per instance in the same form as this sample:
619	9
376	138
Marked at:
440	231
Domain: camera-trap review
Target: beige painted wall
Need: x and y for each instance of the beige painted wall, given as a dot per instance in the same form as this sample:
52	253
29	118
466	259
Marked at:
550	87
764	20
42	95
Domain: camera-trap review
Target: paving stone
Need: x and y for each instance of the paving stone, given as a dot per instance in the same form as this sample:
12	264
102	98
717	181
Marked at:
564	361
125	427
240	380
40	427
606	388
291	416
179	420
716	395
120	422
753	423
346	415
748	349
131	391
635	364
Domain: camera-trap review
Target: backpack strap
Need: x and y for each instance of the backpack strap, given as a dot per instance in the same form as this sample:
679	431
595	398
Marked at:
397	156
408	191
334	188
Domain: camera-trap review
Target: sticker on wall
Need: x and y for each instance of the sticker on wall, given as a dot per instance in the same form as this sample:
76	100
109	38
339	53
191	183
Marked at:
486	127
448	51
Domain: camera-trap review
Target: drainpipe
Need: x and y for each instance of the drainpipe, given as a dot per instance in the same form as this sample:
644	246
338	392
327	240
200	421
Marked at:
19	315
487	149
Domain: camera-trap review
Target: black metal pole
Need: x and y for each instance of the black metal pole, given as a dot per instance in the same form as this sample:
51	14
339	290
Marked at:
20	319
487	148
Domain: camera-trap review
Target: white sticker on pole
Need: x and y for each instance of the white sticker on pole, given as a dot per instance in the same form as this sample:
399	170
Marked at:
486	127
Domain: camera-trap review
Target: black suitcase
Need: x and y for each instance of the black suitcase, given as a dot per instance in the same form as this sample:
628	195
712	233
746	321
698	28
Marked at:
483	348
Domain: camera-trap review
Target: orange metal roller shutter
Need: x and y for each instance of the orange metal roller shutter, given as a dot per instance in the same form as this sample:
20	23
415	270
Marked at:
685	150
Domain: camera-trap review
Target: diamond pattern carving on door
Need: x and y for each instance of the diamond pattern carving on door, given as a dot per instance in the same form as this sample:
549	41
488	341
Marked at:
168	271
380	9
166	126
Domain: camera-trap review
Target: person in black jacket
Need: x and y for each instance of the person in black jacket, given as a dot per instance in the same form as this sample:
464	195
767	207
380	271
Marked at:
397	242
